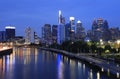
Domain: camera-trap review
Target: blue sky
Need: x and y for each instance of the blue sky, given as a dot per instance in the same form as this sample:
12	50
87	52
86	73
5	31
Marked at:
35	13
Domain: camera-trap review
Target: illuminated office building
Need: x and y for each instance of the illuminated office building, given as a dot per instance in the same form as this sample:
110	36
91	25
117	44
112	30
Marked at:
47	34
61	28
28	35
80	32
72	29
54	33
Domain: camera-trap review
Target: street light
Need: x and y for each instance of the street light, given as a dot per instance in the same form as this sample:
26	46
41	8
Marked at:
118	44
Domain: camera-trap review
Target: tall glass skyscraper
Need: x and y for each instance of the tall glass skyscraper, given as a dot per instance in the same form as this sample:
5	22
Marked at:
61	28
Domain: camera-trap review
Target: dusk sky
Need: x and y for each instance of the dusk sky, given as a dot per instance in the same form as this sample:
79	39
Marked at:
35	13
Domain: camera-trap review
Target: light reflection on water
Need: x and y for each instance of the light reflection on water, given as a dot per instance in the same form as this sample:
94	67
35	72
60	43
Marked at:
32	63
98	75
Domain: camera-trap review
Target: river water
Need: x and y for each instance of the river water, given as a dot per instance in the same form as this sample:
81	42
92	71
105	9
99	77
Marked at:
33	63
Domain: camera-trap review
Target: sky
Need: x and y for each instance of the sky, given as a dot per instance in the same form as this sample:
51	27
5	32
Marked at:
35	13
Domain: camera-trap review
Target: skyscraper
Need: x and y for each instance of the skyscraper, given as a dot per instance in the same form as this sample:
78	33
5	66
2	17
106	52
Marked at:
28	35
47	34
61	28
60	17
61	34
36	38
100	30
80	32
72	29
72	23
54	33
67	31
94	25
10	32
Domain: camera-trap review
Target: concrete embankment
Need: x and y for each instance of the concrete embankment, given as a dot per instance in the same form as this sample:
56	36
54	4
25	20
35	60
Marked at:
103	64
6	51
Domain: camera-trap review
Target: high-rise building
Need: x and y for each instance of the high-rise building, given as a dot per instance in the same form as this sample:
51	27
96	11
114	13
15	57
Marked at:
114	33
36	38
105	24
72	29
99	21
54	33
80	32
72	23
67	31
94	25
47	34
28	35
2	36
10	32
60	17
61	34
100	30
61	29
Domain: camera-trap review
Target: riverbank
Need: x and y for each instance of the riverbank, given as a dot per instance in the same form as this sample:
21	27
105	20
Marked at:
6	51
103	64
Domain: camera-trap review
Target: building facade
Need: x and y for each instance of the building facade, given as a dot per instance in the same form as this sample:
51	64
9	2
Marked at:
28	35
10	33
2	36
61	28
80	31
54	33
47	34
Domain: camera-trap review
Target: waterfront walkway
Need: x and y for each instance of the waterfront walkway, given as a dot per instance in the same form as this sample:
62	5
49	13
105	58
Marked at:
103	64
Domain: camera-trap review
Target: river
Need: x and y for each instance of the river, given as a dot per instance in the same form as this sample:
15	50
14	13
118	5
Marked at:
33	63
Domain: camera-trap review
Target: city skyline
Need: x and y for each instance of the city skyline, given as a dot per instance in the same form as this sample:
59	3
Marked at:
34	14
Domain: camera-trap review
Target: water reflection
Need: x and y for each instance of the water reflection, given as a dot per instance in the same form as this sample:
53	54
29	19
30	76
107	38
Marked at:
108	72
60	68
32	63
102	69
98	75
118	75
91	74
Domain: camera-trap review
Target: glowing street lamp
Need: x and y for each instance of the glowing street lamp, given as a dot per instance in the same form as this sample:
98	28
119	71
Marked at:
118	43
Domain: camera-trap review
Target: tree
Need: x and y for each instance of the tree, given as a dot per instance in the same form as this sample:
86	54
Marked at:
93	47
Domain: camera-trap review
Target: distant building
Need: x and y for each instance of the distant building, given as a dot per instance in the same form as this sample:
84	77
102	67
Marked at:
61	34
67	31
72	29
61	28
114	33
28	35
100	30
2	36
47	34
10	33
19	40
54	33
36	38
61	19
80	32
